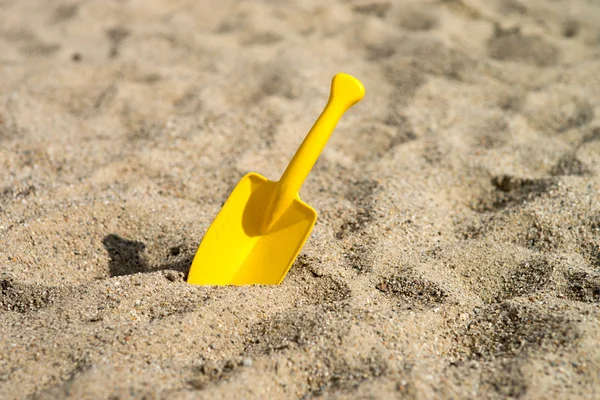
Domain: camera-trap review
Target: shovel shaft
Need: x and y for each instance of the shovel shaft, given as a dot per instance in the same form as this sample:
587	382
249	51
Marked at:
345	92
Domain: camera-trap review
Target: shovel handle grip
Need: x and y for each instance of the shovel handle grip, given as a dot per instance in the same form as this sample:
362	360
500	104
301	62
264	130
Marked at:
345	92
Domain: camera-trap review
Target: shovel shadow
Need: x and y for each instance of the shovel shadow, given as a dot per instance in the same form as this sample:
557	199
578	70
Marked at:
126	258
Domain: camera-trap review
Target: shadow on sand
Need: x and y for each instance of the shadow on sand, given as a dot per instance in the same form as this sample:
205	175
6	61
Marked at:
126	257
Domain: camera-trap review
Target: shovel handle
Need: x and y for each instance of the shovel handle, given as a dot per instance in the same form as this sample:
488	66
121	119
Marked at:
345	92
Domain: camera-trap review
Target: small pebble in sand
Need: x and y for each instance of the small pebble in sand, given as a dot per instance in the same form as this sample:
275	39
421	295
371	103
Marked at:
247	362
382	287
197	383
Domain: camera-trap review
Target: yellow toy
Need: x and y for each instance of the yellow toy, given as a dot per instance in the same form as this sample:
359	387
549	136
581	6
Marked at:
262	227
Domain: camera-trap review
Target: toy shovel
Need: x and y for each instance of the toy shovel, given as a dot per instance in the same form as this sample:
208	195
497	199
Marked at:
263	225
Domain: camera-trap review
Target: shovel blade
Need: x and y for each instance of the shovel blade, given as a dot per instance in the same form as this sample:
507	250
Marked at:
233	252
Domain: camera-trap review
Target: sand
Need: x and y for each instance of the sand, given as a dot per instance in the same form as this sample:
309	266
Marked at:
457	250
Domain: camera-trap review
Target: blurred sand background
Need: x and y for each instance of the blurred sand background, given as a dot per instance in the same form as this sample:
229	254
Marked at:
456	253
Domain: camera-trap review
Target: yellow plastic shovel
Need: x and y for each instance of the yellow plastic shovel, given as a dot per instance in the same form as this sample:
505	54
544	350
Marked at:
262	227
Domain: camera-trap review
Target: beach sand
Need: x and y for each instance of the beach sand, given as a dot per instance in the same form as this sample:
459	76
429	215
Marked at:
457	249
